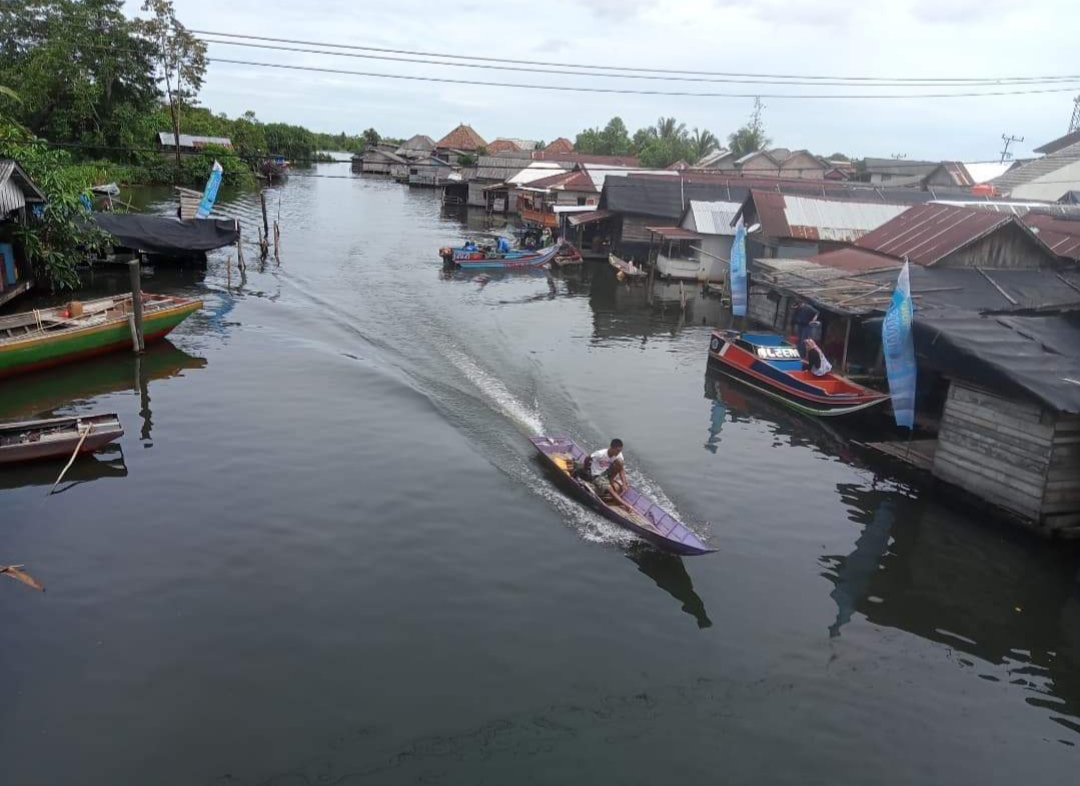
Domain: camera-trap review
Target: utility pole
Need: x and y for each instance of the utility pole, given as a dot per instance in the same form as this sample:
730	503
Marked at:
1008	140
1074	124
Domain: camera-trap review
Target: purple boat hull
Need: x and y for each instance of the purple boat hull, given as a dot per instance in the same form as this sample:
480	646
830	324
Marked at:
647	520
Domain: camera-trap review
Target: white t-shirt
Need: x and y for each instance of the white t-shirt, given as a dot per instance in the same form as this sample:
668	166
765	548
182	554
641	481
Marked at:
601	462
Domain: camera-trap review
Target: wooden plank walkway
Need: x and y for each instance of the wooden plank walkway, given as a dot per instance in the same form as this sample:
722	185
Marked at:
919	453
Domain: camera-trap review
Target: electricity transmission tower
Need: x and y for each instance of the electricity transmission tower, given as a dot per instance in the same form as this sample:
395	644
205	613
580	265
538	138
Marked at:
1074	124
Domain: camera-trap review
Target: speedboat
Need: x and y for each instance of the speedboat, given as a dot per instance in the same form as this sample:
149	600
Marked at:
642	516
772	366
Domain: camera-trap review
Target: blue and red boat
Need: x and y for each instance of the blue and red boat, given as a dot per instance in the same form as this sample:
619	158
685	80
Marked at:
642	516
482	259
772	366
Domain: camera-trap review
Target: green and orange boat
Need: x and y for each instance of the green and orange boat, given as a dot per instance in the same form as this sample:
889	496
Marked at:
49	337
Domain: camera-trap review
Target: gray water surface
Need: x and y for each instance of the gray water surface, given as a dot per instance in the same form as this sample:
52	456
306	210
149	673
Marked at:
323	552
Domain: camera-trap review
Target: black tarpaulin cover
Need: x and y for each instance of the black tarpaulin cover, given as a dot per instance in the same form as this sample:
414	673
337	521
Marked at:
1036	355
164	235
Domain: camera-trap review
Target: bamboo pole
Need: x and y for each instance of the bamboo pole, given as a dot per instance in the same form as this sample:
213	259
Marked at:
78	447
847	338
138	340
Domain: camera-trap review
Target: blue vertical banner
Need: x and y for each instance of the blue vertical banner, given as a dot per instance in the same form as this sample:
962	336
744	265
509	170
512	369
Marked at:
899	350
738	270
206	204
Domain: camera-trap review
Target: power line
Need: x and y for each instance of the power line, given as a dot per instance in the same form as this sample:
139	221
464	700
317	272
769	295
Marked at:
748	80
729	74
628	91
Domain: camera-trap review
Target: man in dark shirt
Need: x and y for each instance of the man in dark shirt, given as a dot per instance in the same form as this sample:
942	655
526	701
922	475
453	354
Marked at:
803	316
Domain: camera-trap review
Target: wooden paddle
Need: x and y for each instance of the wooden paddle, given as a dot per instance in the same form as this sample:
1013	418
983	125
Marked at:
16	572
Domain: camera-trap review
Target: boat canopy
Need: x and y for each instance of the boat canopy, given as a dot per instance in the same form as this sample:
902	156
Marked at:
168	236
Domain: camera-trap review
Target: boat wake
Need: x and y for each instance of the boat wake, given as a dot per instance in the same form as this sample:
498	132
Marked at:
495	392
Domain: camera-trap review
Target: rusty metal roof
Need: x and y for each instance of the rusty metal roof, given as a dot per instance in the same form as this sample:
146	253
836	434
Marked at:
854	260
927	233
588	218
1062	235
815	218
674	233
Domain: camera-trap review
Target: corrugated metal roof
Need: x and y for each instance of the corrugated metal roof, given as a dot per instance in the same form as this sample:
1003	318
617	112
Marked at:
854	260
1039	168
674	233
588	218
899	167
815	218
577	180
927	233
536	170
1060	143
16	188
600	174
166	138
498	168
420	143
657	194
711	218
1061	234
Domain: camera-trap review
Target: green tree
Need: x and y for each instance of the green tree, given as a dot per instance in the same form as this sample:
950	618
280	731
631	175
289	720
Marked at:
701	143
179	58
371	138
615	139
80	68
589	141
751	137
670	129
60	236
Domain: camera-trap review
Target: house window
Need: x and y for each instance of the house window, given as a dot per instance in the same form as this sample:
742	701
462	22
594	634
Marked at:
581	201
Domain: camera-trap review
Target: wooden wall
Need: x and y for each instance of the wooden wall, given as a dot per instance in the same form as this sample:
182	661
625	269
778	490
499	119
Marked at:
1061	497
1008	247
997	448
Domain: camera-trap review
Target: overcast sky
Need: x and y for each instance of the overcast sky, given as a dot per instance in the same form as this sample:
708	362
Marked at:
902	38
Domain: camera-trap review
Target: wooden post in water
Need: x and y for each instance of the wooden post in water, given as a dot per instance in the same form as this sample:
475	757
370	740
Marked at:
266	222
277	242
138	343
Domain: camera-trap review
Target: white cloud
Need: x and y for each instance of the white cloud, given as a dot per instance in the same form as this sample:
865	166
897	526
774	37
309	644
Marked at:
903	38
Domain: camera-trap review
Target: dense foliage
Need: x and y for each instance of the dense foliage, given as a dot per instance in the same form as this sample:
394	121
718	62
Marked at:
655	146
56	238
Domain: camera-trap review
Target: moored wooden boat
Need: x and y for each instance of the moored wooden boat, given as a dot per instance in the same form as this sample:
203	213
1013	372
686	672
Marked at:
626	269
644	518
511	261
569	255
48	337
769	364
30	440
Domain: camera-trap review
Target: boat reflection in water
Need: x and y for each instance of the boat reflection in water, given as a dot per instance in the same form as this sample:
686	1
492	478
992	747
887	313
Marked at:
77	386
669	573
41	394
734	403
1011	603
108	462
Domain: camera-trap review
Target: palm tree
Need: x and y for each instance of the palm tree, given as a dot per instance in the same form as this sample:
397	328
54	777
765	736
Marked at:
670	129
7	92
703	142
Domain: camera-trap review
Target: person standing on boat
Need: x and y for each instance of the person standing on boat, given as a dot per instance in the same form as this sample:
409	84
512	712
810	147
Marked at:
606	470
803	317
816	361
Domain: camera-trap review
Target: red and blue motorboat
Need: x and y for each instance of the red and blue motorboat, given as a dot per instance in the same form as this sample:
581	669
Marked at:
468	258
642	516
772	366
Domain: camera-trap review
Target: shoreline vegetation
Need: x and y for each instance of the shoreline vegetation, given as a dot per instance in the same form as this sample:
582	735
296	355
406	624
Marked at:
85	92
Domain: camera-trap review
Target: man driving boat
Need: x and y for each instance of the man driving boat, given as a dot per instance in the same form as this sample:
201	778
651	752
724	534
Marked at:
606	470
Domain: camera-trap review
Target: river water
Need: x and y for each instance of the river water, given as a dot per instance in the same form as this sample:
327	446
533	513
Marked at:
323	552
